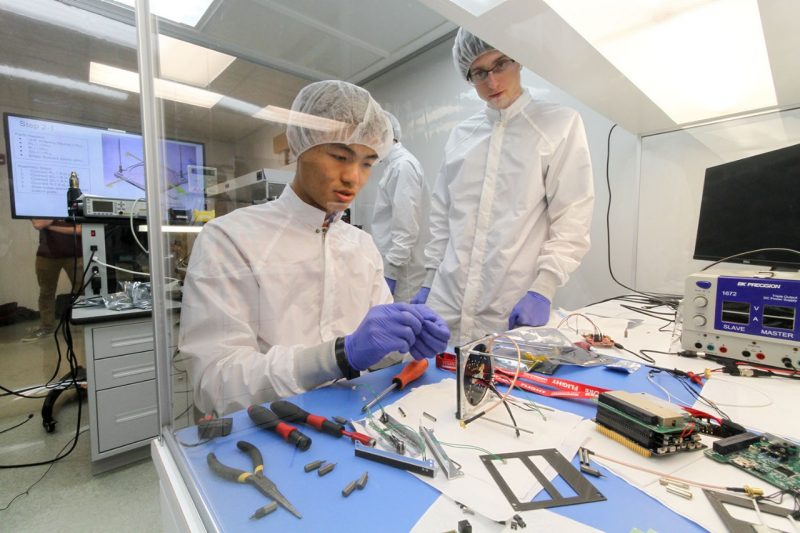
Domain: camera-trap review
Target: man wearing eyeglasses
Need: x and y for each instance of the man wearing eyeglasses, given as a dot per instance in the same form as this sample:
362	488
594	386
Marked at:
512	205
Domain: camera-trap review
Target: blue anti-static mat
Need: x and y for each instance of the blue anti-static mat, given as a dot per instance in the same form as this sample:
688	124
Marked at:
394	500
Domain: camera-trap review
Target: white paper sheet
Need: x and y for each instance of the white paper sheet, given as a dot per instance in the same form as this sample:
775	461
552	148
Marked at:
444	515
762	404
690	465
476	489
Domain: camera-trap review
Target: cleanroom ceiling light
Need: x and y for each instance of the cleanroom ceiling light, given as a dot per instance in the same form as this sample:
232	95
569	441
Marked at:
188	63
281	115
57	81
129	81
695	59
187	12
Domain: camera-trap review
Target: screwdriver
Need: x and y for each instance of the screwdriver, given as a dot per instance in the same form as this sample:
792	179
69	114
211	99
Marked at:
291	412
266	419
411	372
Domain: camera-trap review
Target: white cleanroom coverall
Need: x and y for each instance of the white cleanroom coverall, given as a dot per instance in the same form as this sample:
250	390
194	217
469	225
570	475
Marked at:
266	294
400	221
510	213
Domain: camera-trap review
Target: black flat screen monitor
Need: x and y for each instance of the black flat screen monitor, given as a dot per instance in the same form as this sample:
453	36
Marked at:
749	204
42	153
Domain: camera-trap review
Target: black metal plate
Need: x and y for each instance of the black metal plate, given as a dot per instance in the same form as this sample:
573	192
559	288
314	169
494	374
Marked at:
585	491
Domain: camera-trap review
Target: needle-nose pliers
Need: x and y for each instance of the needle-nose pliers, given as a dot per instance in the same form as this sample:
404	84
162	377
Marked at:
256	477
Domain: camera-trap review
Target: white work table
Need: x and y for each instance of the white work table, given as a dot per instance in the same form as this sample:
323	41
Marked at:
633	499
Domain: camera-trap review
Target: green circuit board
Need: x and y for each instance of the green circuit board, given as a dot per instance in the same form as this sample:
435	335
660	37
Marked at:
773	460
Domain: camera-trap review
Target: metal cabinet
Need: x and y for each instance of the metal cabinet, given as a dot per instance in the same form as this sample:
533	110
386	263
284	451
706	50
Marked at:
123	406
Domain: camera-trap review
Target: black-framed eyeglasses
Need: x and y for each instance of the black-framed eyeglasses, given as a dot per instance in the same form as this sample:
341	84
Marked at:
478	76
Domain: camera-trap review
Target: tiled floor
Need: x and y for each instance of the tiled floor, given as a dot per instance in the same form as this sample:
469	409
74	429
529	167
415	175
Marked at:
68	497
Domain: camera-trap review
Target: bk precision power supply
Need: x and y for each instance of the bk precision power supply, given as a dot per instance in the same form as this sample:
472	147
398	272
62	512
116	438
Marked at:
749	317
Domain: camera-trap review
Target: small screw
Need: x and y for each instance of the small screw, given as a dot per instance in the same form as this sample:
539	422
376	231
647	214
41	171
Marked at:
313	465
264	511
348	489
325	469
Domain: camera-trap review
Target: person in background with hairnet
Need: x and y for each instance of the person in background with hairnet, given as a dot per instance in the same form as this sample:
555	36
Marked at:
512	205
282	297
400	220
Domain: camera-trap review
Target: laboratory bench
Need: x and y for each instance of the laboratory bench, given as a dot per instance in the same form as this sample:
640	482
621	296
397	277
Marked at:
394	500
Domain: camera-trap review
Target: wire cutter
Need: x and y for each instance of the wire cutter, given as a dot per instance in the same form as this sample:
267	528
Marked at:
256	477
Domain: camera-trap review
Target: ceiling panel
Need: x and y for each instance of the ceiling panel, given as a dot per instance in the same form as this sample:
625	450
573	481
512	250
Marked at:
383	26
280	46
284	43
269	35
346	39
542	41
537	37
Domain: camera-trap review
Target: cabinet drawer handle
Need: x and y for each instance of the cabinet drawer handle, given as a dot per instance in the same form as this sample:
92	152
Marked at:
130	416
132	371
132	340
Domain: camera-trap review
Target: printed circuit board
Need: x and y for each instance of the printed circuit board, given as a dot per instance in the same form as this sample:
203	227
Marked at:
771	459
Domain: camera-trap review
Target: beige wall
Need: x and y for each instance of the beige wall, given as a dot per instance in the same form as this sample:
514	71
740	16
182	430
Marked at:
254	151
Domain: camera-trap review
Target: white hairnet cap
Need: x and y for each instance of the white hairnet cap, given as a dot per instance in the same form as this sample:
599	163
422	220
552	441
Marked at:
466	49
396	130
336	111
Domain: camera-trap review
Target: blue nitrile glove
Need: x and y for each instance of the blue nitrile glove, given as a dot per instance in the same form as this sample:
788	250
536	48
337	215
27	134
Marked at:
391	283
386	329
532	310
422	295
434	335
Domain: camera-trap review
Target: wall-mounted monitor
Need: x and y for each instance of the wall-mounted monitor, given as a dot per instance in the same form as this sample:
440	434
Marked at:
749	204
42	153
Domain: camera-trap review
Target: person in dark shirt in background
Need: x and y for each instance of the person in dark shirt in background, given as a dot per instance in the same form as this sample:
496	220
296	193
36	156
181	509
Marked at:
59	245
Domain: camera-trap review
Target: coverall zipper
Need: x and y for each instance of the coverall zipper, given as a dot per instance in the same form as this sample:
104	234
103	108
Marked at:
323	307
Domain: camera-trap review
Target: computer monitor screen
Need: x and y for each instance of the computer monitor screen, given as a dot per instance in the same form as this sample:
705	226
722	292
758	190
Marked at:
42	154
750	204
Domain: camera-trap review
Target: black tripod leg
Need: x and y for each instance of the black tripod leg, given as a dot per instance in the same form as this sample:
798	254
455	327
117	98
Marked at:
65	383
48	421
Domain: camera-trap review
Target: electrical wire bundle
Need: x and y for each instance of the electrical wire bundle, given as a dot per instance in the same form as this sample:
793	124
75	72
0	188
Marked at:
69	381
595	329
487	382
597	336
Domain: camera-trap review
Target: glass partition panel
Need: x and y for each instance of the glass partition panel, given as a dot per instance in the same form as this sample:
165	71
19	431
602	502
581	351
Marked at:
216	95
59	128
253	274
217	156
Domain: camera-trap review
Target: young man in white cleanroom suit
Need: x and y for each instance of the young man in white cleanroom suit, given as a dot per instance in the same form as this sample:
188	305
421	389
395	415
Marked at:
400	219
512	205
283	297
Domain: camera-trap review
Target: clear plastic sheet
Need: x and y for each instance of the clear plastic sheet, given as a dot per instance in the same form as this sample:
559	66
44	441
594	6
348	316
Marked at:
133	295
545	342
